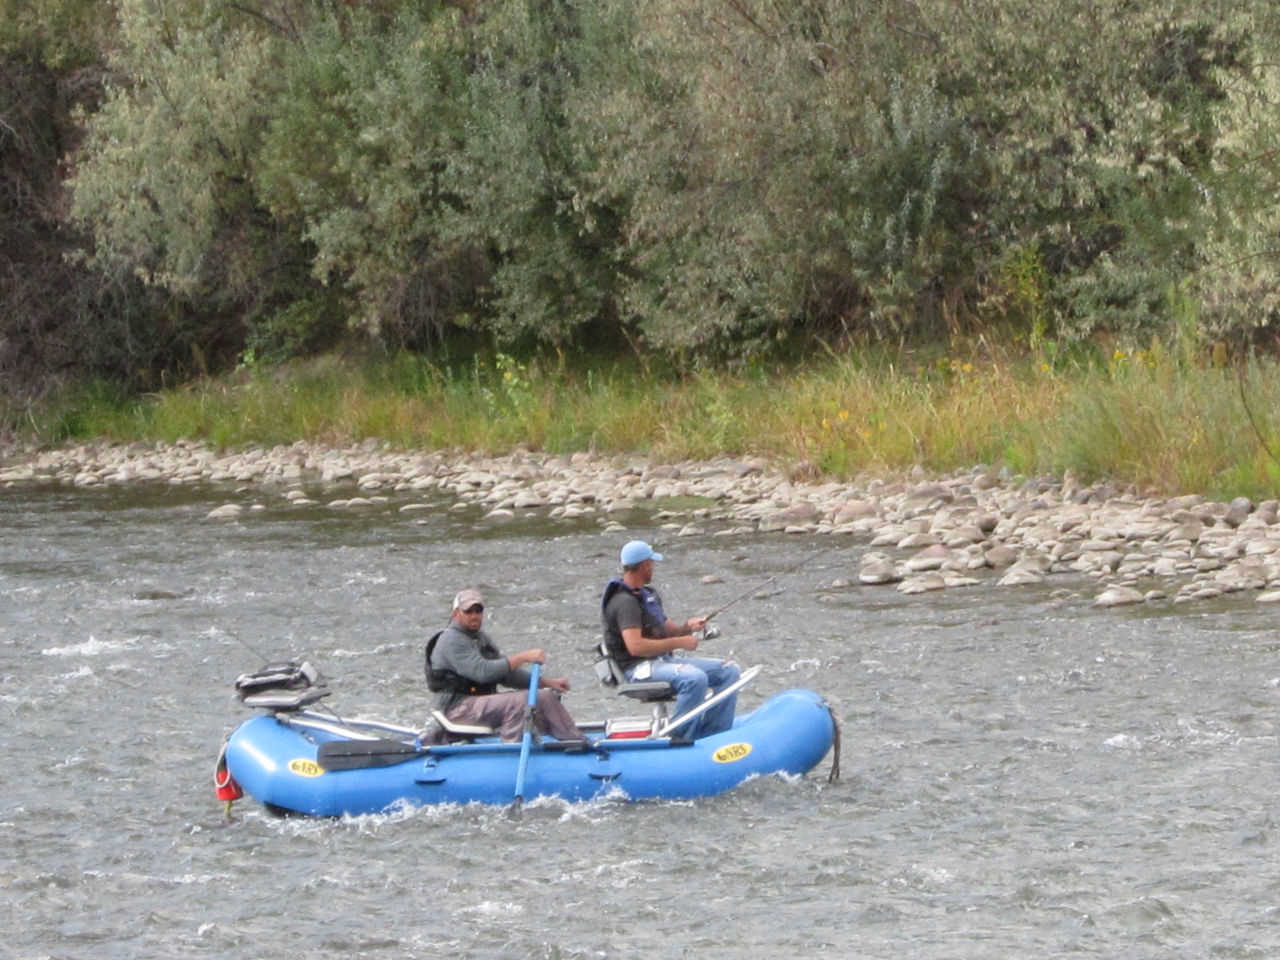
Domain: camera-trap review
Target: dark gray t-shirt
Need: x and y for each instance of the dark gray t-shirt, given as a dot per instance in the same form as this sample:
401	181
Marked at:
624	611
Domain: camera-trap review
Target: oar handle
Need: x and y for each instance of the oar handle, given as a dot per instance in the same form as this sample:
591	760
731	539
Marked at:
534	670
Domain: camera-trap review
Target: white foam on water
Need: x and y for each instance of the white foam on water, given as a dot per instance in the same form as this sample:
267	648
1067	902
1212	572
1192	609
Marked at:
84	670
380	649
1123	741
614	875
93	647
180	880
377	579
598	809
1198	732
928	876
495	908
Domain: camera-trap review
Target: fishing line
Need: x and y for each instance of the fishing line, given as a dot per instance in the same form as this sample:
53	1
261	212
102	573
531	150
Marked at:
245	643
758	588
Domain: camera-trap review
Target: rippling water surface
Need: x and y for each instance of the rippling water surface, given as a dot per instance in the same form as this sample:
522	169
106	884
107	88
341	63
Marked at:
1022	776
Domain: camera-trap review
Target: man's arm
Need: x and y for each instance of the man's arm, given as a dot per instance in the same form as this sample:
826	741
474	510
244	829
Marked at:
692	625
624	609
458	653
638	645
518	677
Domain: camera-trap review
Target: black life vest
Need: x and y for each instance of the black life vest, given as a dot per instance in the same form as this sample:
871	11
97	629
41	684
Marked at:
653	620
440	681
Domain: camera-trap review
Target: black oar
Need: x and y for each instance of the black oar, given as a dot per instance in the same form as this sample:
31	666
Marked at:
362	754
527	741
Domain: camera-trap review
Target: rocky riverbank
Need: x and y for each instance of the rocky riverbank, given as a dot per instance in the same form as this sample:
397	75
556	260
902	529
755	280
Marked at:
975	527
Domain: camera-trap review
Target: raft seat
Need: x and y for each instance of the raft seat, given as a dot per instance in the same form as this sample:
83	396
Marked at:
658	692
283	687
465	731
284	701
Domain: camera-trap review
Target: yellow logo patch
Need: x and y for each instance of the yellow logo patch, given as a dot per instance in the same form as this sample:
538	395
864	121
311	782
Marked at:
731	752
305	768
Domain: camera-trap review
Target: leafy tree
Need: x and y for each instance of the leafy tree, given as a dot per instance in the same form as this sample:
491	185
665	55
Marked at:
57	319
528	161
1237	288
58	34
778	181
361	152
166	181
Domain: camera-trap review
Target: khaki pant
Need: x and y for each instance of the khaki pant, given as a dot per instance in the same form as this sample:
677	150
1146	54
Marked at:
505	713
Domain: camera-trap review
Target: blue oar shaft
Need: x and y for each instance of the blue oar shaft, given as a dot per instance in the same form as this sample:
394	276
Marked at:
527	741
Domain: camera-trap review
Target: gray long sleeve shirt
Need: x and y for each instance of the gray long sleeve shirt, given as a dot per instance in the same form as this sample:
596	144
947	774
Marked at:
474	655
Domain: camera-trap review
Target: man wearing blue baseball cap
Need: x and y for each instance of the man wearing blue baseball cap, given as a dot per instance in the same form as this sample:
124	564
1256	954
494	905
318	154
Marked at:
644	641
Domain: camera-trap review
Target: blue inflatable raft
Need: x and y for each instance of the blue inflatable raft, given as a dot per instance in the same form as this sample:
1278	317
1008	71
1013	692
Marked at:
294	760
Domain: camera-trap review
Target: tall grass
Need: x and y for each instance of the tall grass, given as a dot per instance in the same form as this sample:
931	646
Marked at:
1160	421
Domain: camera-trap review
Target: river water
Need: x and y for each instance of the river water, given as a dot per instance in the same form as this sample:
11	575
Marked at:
1022	775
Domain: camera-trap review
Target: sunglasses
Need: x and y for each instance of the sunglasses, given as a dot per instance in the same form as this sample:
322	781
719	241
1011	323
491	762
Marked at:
475	608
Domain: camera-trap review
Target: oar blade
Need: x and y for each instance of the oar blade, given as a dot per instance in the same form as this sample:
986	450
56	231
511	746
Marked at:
364	754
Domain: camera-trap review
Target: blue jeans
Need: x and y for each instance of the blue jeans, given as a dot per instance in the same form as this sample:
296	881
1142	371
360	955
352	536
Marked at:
691	677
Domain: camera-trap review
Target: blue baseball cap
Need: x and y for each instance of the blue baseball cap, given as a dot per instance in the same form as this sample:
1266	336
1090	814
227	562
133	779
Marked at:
637	551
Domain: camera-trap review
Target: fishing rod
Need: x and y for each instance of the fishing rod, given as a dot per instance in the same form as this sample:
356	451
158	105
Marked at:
245	643
756	589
